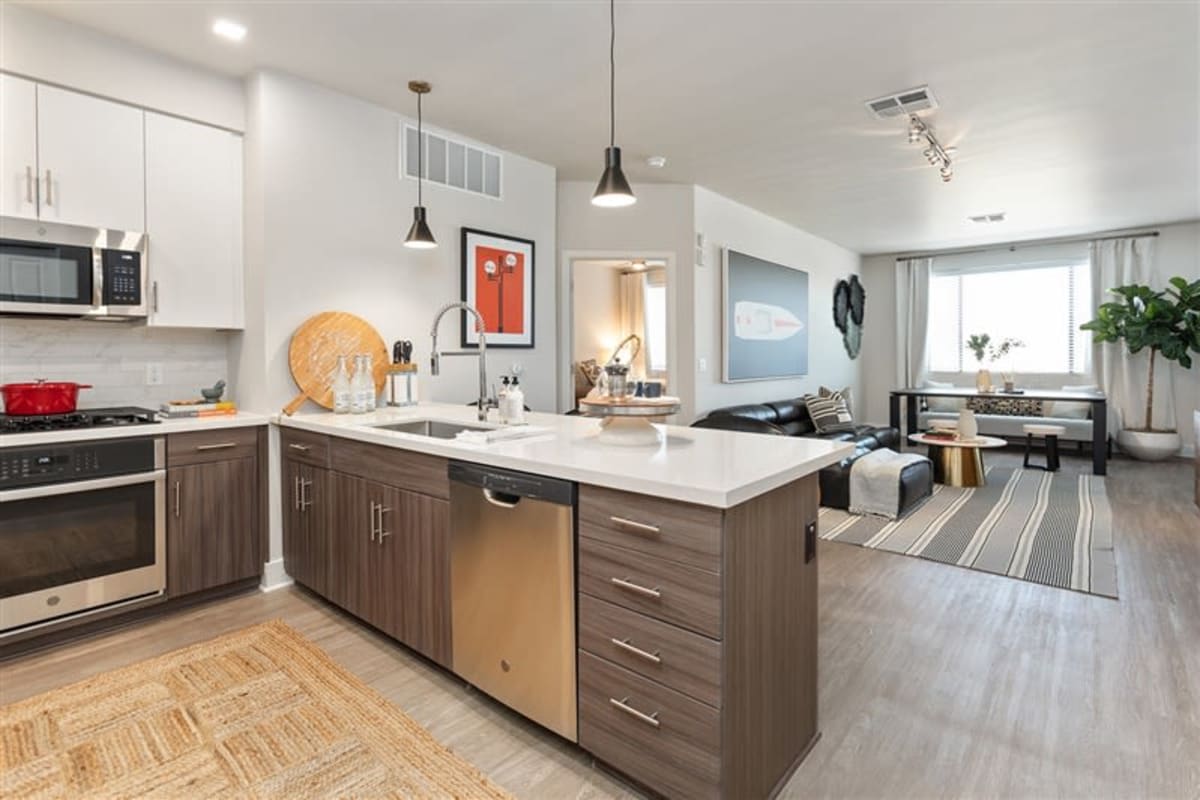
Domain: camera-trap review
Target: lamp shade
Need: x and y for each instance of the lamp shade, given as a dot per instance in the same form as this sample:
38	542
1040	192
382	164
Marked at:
613	189
419	236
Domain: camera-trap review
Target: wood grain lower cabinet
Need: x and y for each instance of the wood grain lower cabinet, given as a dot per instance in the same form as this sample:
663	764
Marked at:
306	524
390	561
699	682
212	525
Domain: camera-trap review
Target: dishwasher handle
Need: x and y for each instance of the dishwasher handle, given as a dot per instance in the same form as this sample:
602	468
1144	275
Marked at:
501	499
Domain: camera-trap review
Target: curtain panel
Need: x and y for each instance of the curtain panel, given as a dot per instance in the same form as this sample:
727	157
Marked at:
1122	376
912	320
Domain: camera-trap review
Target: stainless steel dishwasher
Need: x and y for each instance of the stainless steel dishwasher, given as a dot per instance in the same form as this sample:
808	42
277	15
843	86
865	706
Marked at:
512	584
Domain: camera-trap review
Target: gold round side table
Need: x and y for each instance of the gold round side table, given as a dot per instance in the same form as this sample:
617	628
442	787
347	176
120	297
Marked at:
957	462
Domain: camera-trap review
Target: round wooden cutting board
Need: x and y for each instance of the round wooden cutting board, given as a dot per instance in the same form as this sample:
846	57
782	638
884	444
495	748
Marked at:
314	350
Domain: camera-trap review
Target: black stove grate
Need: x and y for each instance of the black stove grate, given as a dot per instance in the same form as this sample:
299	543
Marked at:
83	418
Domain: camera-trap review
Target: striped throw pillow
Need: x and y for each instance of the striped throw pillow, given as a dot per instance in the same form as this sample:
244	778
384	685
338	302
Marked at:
829	414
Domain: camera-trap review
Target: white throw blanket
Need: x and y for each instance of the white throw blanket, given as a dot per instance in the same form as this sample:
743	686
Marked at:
875	482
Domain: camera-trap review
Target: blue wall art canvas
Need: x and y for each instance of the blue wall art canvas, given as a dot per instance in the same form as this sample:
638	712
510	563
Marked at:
765	325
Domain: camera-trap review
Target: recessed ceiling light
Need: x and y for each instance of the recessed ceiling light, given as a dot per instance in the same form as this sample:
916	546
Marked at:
658	162
228	29
986	219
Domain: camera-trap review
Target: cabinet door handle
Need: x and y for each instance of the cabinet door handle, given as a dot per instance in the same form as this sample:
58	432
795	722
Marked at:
630	586
217	446
381	533
635	527
154	296
623	704
305	499
49	189
29	184
374	508
296	493
303	448
176	499
653	658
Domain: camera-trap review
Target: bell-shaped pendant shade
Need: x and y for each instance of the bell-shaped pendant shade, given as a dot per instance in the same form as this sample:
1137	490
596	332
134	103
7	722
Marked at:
419	235
613	189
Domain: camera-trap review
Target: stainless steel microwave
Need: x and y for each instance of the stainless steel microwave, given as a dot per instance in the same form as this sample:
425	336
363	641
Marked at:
51	269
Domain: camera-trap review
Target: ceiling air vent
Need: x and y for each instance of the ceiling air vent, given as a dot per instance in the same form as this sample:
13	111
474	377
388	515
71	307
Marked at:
984	219
901	104
452	163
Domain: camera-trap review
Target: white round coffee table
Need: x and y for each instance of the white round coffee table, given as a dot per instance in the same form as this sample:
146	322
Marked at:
957	462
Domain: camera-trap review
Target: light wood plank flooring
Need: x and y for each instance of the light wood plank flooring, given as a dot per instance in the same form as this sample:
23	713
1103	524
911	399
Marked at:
935	681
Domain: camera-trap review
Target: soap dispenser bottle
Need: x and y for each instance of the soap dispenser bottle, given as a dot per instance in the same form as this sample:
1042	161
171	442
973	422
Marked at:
516	403
502	401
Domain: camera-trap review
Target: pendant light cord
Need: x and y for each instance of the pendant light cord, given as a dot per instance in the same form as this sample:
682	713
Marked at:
420	152
612	73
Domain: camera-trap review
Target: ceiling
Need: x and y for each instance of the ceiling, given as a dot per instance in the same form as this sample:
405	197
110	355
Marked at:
1071	117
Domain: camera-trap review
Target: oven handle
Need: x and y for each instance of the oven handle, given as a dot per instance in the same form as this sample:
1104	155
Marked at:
82	486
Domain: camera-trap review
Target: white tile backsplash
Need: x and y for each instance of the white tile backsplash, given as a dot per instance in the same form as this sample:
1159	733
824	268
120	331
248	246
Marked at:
113	357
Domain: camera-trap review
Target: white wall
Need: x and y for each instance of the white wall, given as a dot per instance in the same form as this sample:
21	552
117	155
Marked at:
659	224
1177	253
112	357
55	51
726	223
326	218
597	317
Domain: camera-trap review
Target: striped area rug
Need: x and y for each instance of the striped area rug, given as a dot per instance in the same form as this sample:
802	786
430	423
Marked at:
1046	527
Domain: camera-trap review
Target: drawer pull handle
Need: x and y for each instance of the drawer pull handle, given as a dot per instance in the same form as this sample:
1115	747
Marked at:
623	704
635	527
653	658
217	446
303	448
630	586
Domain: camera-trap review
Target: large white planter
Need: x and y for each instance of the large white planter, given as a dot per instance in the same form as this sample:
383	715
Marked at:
1145	446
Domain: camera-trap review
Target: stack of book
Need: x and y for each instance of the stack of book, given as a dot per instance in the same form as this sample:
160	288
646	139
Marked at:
183	409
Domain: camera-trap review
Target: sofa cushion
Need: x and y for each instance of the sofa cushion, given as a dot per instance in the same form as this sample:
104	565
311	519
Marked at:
1073	409
829	413
939	403
792	416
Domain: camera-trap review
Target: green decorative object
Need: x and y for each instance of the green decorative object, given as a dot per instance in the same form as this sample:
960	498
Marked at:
1166	322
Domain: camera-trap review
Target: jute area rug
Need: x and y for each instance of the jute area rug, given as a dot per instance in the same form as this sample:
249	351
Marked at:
257	713
1048	527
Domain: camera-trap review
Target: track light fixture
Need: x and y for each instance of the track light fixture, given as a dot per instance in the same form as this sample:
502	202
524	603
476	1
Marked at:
937	155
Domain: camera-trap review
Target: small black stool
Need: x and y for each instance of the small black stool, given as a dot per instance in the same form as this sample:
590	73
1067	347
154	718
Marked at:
1051	434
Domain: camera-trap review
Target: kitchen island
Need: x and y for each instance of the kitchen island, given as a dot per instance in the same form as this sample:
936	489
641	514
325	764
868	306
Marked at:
695	576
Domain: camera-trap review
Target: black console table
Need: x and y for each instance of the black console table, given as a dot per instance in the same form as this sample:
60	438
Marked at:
1099	412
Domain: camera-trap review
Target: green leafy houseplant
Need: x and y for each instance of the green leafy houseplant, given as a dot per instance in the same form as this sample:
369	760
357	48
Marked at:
1166	322
978	343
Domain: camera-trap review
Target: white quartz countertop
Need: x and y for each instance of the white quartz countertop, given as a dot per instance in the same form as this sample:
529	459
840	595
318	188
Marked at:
693	465
239	420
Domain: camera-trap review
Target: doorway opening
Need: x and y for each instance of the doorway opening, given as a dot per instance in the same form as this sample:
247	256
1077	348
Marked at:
619	311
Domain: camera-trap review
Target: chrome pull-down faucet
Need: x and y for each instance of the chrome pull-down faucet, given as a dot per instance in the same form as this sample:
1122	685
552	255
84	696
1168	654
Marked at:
435	360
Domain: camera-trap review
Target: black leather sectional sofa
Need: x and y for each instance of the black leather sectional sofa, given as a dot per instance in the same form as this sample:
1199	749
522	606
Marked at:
790	418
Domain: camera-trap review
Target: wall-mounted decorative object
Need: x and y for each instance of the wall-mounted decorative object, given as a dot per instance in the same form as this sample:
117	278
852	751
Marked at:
497	279
764	328
849	311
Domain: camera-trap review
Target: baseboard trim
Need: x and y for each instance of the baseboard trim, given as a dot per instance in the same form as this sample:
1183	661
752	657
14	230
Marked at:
274	576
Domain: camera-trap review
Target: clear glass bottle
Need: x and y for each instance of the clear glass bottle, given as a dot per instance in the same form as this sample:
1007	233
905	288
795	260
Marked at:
358	397
369	396
341	387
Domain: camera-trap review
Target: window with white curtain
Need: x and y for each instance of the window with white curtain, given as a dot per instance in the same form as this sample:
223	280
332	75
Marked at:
656	322
1040	298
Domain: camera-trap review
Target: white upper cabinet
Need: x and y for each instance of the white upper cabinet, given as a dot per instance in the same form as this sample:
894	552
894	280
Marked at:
194	224
18	147
91	161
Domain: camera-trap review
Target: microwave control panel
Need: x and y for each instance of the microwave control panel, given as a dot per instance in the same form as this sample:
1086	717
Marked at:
122	277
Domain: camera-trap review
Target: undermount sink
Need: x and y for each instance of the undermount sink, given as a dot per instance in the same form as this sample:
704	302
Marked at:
433	428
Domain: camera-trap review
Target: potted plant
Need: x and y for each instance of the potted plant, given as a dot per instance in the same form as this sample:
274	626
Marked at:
978	343
1006	348
1167	323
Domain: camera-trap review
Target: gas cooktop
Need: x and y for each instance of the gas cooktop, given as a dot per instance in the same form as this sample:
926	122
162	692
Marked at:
83	418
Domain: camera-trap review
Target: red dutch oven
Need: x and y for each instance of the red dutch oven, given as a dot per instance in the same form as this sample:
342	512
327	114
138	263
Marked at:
41	397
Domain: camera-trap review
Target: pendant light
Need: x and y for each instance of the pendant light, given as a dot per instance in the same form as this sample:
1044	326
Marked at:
419	236
613	190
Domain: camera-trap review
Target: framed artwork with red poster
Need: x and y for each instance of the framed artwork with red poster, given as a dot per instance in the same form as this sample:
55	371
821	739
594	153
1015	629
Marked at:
497	279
